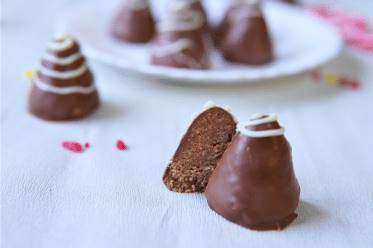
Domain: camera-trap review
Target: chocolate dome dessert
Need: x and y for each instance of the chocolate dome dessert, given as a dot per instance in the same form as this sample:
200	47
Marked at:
200	150
243	36
181	40
63	87
254	184
134	22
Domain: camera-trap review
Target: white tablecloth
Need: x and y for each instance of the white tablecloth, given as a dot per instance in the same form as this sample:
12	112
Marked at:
104	197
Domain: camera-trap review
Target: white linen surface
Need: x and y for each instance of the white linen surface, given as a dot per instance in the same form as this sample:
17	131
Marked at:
103	197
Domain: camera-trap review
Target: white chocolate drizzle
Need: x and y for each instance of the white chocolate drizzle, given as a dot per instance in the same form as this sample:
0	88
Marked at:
172	48
187	20
180	19
245	9
64	74
228	109
62	61
256	116
63	90
256	121
137	5
194	115
187	60
62	42
208	105
175	49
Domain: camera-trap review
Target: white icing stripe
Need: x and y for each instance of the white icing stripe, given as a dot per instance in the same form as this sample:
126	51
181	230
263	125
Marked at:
172	48
209	104
257	121
63	90
187	60
256	116
191	21
62	61
245	10
175	49
61	45
138	4
260	134
64	74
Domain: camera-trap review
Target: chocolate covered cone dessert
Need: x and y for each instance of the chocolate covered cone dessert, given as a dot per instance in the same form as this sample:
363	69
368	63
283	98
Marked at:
181	40
243	36
254	184
63	87
200	150
134	22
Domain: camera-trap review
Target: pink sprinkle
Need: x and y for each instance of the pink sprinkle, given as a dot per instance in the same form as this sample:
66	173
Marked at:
86	145
343	81
355	84
316	75
121	145
72	146
351	83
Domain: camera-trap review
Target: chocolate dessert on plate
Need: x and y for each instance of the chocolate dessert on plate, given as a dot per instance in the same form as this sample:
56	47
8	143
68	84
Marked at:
134	22
243	37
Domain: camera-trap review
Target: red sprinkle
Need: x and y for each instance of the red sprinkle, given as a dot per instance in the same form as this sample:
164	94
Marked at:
343	81
350	83
355	84
121	145
316	75
72	146
86	145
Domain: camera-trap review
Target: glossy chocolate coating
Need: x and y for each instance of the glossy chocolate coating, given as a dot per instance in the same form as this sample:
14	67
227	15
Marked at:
56	107
244	40
254	184
136	26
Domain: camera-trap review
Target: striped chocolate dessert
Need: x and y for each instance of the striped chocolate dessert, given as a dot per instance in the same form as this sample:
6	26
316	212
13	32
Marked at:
64	87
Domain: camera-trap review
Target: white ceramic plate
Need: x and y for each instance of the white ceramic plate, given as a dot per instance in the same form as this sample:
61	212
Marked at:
301	42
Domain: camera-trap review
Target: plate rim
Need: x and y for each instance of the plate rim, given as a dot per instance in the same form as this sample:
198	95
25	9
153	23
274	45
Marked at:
210	76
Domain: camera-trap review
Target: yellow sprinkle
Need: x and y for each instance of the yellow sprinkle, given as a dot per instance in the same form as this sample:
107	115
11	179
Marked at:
29	74
331	77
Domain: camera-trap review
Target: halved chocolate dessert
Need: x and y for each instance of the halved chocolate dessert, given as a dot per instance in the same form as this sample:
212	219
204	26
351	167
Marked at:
254	184
200	150
134	22
64	86
181	40
243	36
